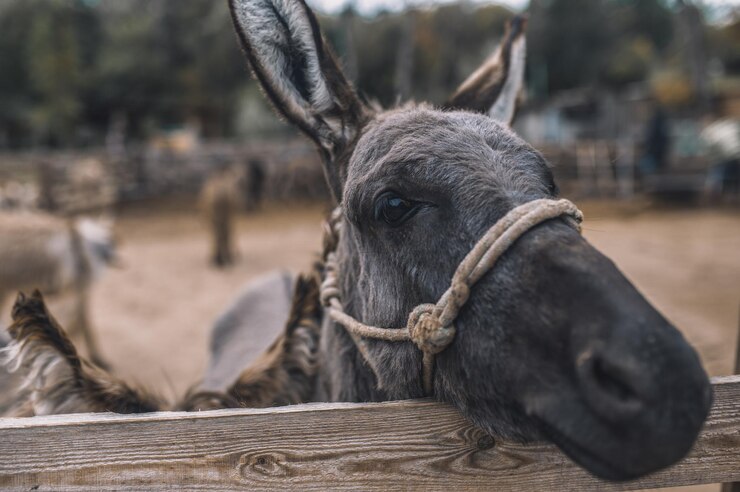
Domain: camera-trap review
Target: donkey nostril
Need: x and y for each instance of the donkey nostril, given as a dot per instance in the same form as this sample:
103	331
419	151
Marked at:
612	382
608	387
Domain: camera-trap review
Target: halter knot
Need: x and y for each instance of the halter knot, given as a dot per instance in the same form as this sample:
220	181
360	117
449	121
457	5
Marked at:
427	331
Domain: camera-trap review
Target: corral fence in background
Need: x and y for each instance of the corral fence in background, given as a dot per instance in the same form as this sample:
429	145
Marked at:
612	168
66	182
381	446
292	171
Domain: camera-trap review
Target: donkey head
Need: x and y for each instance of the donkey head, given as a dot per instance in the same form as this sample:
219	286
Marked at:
554	341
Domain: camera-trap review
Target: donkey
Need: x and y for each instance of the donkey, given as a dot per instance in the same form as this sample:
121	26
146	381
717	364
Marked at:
16	196
46	375
554	342
221	198
55	255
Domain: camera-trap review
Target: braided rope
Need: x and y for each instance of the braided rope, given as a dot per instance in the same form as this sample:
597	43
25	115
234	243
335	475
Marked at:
430	326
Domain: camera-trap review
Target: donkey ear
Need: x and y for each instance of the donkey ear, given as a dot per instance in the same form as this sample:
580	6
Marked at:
299	74
494	88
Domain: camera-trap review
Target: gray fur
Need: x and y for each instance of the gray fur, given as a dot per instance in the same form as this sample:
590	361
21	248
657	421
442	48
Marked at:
554	342
10	392
55	255
550	305
476	166
300	75
275	45
504	108
247	327
9	383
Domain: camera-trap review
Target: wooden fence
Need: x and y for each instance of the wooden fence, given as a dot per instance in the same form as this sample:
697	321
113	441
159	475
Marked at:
291	172
382	446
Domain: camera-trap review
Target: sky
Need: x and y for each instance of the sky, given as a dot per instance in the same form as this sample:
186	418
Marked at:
371	6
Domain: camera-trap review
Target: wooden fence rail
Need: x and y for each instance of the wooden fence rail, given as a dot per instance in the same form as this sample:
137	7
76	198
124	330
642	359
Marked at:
382	446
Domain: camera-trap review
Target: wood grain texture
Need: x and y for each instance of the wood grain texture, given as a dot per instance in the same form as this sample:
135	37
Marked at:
734	486
382	446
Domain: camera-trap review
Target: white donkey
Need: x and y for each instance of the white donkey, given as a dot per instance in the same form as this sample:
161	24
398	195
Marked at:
55	255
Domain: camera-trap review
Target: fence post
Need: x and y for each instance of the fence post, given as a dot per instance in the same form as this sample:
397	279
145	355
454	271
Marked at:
735	486
625	168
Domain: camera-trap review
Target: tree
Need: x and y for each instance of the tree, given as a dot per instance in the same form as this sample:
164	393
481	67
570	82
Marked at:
58	58
569	40
15	87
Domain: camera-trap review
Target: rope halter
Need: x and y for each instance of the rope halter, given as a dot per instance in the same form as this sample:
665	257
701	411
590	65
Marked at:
430	326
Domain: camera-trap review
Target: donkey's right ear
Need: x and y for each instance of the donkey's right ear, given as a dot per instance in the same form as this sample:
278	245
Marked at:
494	88
299	74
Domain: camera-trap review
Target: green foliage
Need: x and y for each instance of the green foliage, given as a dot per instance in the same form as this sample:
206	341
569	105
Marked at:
449	43
55	71
585	42
15	95
649	19
69	67
45	56
630	61
570	38
167	61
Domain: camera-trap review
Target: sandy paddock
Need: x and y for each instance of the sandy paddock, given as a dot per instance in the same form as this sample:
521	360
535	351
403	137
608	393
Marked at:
153	316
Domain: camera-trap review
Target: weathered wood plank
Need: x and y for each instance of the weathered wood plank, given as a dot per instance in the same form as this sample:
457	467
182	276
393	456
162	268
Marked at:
383	446
734	486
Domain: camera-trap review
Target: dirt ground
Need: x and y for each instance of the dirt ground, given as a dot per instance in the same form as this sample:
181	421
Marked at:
154	314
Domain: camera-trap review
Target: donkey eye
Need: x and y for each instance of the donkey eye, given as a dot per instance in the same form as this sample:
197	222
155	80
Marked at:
394	210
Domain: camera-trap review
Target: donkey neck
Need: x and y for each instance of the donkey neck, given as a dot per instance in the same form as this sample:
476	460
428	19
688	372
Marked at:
344	375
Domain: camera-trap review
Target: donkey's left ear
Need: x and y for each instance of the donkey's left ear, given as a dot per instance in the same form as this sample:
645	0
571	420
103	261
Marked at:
300	75
494	88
